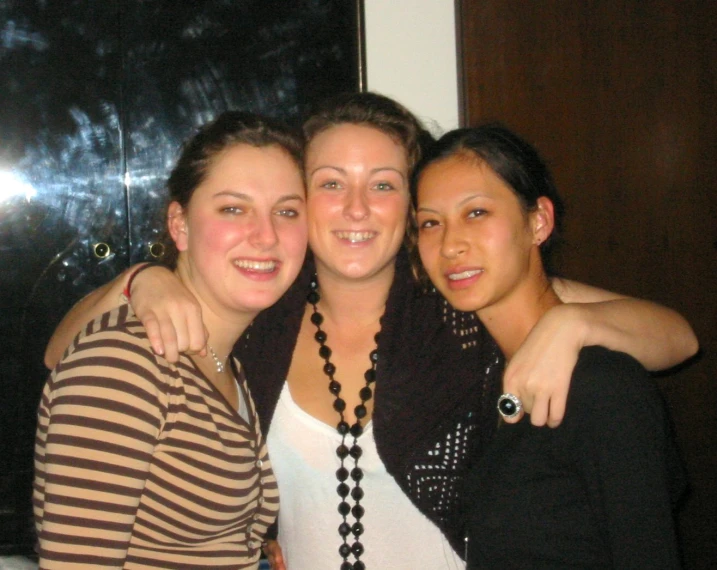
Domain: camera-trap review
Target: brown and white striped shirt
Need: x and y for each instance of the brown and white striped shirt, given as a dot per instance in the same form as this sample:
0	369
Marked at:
143	464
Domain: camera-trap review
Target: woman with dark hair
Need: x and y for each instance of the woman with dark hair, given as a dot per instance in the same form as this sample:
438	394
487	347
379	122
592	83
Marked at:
143	463
373	393
597	491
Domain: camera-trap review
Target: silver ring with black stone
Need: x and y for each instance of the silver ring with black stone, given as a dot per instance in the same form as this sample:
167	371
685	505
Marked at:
509	406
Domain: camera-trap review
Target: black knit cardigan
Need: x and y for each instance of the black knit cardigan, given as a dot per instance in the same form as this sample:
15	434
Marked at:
437	380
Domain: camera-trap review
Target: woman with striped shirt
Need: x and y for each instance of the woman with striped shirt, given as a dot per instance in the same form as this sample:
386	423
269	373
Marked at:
141	463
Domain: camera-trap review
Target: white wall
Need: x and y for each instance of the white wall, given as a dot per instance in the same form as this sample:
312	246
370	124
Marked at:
411	56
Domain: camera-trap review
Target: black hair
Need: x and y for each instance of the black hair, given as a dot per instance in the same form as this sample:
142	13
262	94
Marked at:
513	159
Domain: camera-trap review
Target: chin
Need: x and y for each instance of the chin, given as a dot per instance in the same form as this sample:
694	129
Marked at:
254	302
365	269
462	302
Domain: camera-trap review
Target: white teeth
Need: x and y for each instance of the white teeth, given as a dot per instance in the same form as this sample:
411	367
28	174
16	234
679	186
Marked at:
262	266
355	237
464	274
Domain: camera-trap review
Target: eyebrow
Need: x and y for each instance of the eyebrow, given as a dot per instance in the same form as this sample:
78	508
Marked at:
290	197
248	198
461	203
344	172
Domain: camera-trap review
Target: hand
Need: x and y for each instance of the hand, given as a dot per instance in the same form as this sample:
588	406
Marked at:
274	555
540	371
169	312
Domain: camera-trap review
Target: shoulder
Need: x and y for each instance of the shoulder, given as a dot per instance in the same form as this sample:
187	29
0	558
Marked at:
602	364
113	349
114	332
603	371
611	386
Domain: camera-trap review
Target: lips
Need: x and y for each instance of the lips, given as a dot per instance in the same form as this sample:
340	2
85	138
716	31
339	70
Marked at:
355	237
461	275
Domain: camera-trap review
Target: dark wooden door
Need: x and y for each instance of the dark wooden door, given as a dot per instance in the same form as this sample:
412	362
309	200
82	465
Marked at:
621	98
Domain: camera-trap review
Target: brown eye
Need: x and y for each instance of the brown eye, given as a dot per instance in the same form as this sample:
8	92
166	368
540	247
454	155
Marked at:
476	213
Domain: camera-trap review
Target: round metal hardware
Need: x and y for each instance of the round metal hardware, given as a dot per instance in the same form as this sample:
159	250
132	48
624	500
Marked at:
101	250
156	249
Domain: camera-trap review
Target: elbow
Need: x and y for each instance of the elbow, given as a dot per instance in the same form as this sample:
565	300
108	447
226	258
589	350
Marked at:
49	360
687	341
691	344
51	357
685	346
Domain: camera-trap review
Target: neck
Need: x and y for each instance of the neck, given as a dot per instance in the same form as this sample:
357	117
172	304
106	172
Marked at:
354	301
222	333
223	326
510	321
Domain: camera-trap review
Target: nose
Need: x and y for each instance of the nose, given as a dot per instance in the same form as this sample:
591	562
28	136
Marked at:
453	243
263	234
356	206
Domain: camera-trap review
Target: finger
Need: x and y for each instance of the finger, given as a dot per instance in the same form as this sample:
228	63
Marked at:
178	324
273	552
510	414
515	418
539	410
557	410
197	333
170	340
277	562
154	335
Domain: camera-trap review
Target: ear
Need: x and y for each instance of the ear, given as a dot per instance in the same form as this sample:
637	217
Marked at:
542	220
177	225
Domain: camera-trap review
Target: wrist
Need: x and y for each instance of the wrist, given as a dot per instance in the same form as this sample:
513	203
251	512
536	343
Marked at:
577	318
127	291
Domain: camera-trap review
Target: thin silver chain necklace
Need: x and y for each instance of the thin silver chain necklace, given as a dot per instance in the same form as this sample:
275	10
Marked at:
218	364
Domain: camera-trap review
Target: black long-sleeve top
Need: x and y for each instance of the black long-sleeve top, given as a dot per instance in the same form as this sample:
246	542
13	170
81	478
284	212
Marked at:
596	492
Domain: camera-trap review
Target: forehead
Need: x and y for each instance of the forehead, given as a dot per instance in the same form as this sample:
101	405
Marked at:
458	176
240	157
351	142
249	169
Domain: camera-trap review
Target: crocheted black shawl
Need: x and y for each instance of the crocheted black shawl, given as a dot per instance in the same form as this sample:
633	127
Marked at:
438	378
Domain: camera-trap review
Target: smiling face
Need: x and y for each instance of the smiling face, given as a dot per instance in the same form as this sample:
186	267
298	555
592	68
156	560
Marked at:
476	241
242	238
357	185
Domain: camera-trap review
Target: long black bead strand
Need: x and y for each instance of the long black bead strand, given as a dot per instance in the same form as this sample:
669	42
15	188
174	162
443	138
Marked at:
343	451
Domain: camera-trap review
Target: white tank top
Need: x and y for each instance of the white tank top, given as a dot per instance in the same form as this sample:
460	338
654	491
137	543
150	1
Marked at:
303	454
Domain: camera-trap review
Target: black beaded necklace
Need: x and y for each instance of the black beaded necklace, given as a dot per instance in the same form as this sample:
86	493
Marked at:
343	451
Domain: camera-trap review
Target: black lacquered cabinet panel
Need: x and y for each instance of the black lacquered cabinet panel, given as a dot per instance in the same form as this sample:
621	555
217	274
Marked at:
95	99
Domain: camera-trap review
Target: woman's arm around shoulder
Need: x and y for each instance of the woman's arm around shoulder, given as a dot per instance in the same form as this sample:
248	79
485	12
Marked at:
168	311
539	373
656	336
